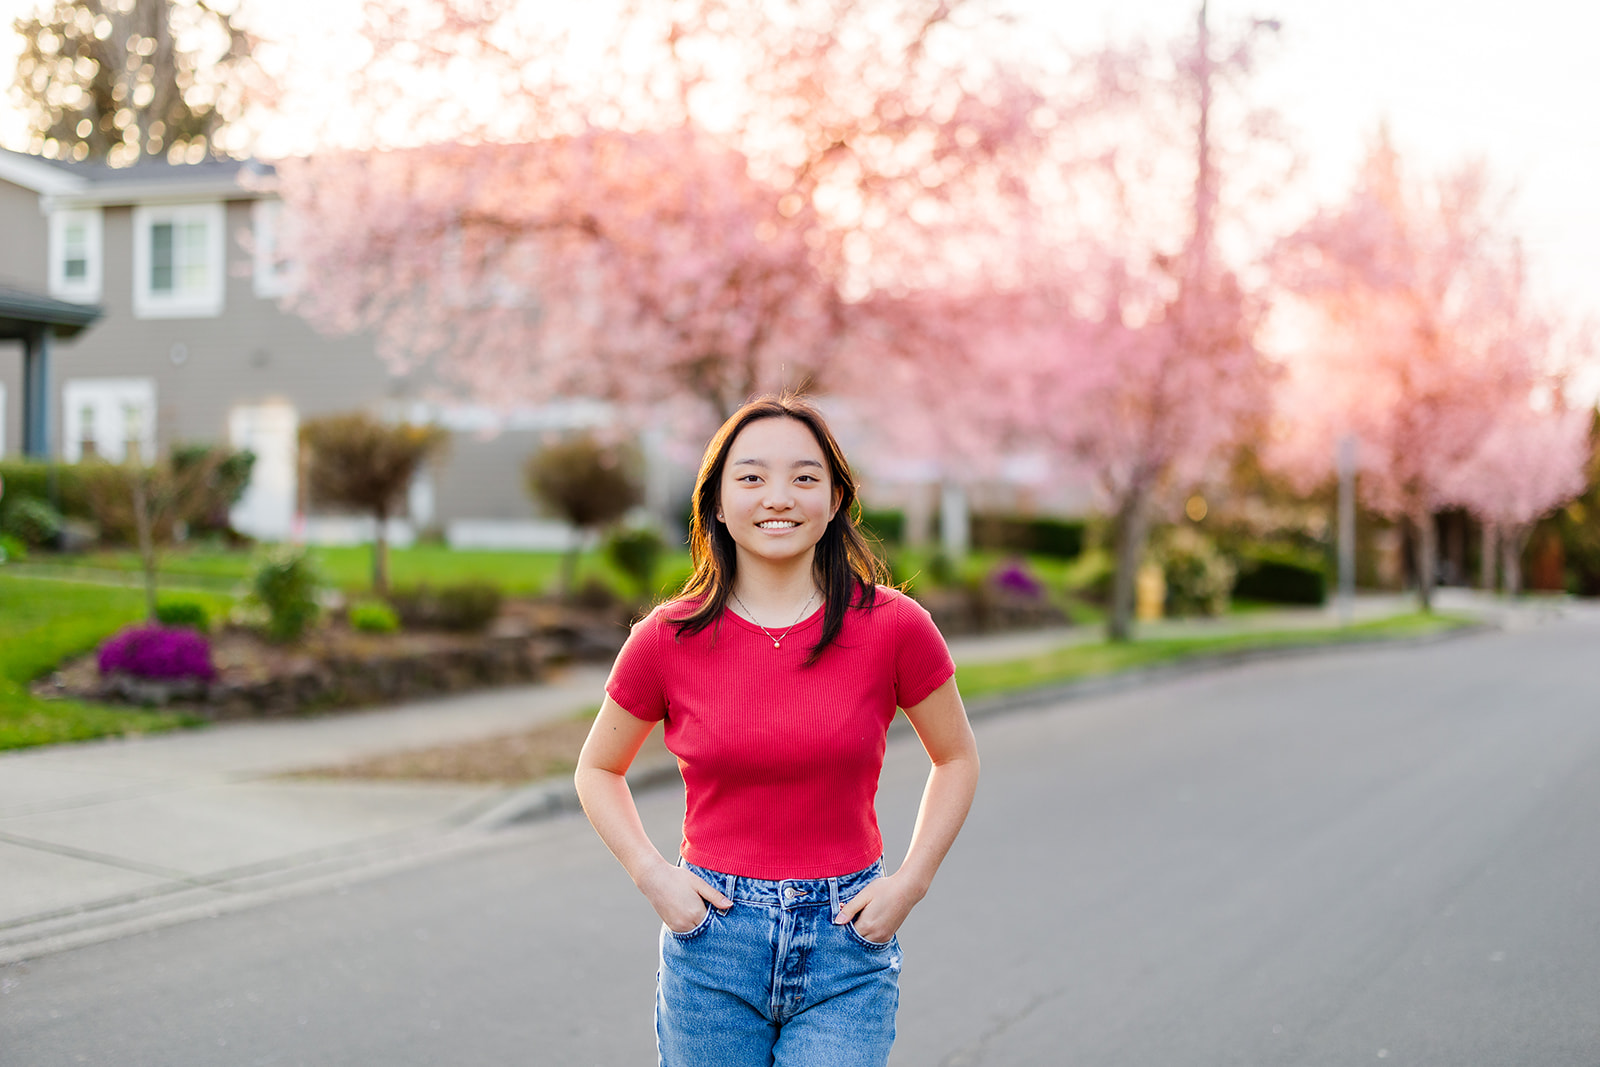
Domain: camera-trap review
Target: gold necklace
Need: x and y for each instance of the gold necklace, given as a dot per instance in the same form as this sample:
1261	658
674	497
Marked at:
775	640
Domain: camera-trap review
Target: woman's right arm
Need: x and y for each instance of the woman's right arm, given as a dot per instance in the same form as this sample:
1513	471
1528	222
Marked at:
678	894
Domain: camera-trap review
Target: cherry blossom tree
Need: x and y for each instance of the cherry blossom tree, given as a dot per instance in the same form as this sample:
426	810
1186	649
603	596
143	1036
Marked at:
1420	341
1145	367
700	215
1528	464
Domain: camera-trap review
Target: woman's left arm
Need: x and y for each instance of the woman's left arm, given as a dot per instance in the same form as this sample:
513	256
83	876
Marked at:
941	724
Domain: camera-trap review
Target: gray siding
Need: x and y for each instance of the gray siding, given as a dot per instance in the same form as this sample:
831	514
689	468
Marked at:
252	352
24	262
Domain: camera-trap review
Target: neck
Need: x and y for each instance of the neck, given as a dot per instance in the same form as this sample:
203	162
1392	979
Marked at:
765	586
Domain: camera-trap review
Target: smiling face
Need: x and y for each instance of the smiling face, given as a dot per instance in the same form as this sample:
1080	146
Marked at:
776	496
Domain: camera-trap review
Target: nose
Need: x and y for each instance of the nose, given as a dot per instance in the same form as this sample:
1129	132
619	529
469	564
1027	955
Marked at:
779	497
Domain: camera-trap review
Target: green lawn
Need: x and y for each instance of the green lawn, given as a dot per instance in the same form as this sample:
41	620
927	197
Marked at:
350	568
45	619
43	622
1085	661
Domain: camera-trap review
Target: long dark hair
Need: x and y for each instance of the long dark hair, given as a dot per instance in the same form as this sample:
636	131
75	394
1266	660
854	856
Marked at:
844	567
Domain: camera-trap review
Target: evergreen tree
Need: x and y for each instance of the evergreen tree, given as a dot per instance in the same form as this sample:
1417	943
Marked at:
115	80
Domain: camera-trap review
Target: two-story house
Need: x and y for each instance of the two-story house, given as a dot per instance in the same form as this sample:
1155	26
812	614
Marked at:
191	343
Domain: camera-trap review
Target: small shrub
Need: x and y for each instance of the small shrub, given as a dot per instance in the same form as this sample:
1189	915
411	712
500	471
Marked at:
158	652
286	586
32	521
594	595
374	617
12	548
463	607
1013	577
189	614
941	571
1199	577
637	554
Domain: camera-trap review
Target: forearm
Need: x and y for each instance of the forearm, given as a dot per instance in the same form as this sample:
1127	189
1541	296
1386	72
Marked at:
608	803
946	799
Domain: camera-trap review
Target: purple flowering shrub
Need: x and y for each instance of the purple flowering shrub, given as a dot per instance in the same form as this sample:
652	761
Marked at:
158	652
1013	576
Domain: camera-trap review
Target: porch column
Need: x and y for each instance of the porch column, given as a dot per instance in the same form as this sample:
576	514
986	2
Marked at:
36	393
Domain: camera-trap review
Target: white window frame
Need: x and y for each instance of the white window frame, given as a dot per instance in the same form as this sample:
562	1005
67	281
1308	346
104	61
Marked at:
204	301
85	290
274	276
110	397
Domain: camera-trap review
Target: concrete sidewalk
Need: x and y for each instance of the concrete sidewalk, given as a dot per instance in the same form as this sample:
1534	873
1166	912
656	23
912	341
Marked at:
106	838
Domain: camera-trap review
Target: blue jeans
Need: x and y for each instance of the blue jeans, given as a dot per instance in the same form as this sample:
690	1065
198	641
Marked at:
773	981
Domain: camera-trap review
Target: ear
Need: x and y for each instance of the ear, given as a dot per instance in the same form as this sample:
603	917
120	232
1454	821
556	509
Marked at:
838	495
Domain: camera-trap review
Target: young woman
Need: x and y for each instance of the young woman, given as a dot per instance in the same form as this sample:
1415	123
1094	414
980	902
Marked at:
777	671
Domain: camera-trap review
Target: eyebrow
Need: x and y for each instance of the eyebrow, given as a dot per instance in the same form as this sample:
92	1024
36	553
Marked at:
765	465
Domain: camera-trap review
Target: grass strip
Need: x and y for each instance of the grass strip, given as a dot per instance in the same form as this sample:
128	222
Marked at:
1088	661
43	622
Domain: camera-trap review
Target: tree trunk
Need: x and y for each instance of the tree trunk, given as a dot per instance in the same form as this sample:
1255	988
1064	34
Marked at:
380	555
142	524
1425	555
1513	541
569	564
1486	556
1130	533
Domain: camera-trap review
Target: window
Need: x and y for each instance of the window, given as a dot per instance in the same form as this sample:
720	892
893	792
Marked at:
75	255
274	274
113	418
178	267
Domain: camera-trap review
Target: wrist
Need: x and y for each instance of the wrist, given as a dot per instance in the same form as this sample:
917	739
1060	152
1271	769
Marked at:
650	872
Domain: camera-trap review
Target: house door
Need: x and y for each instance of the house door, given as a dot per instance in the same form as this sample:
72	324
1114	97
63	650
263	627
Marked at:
266	511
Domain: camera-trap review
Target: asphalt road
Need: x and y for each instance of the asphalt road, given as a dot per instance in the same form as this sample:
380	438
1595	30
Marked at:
1378	855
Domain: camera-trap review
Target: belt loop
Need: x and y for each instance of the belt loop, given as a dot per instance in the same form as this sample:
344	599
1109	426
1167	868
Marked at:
833	898
728	889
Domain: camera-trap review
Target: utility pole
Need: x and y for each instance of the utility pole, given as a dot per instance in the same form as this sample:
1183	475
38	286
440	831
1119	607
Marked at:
1347	528
1205	182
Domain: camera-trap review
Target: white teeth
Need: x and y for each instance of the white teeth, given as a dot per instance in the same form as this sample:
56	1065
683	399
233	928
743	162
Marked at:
778	524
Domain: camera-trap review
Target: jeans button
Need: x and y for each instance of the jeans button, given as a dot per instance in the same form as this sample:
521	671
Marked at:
792	892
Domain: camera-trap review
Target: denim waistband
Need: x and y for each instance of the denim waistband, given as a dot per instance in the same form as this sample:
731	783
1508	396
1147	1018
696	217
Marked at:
791	892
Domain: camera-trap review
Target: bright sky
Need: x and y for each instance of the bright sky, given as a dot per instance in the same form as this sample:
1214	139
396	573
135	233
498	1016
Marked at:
1454	79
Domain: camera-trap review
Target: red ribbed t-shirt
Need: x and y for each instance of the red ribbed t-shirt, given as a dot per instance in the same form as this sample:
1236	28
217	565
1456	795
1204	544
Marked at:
780	761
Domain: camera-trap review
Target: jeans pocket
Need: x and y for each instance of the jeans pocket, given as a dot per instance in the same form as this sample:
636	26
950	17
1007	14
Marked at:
855	935
700	928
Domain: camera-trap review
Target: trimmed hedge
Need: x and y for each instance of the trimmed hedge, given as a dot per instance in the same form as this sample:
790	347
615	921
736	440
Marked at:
1060	538
885	524
1278	578
32	478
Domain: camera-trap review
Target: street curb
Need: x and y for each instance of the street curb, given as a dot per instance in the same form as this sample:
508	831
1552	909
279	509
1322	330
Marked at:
477	826
1200	663
558	796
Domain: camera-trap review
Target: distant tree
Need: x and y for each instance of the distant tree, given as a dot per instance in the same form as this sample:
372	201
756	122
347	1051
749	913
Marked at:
589	483
1421	341
359	462
1527	465
158	496
108	80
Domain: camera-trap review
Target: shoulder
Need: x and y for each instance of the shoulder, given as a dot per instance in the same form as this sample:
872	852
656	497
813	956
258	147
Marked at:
666	613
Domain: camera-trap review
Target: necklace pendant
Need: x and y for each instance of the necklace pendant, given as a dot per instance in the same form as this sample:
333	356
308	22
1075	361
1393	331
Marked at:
774	644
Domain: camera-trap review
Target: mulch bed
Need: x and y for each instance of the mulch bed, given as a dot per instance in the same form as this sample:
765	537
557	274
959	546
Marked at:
542	752
335	667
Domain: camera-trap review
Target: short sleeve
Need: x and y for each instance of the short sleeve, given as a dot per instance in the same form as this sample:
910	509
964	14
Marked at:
922	660
636	681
